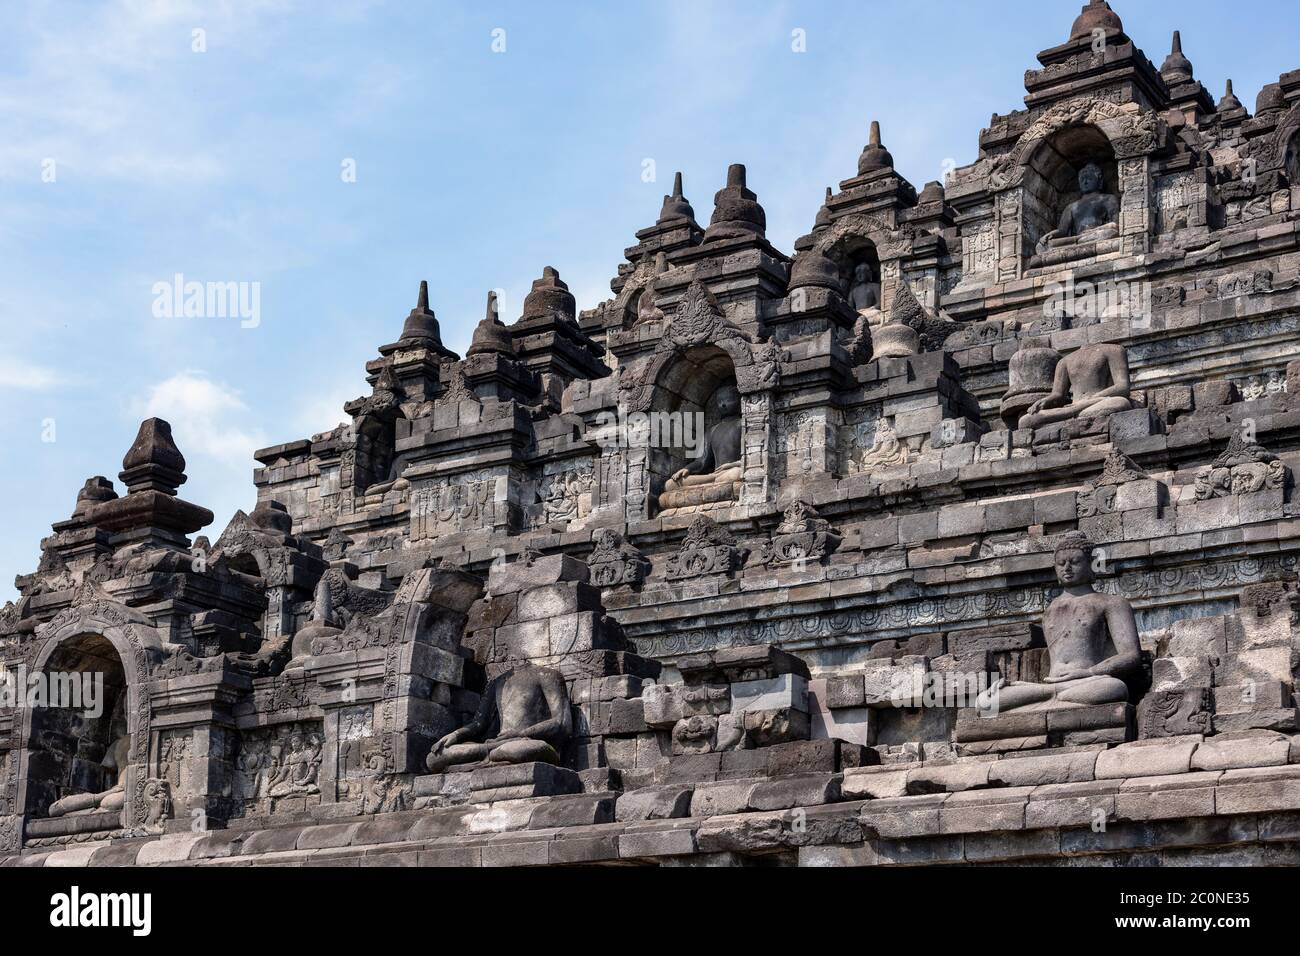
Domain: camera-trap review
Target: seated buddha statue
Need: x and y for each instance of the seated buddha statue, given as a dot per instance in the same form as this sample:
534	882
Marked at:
523	717
1092	641
1092	217
715	475
111	799
1090	382
864	291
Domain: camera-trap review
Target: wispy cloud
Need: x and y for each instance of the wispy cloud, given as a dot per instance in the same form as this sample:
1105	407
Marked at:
101	91
205	417
28	376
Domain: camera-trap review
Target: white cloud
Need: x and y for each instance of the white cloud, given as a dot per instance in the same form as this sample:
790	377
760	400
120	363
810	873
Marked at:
27	376
325	409
205	418
106	92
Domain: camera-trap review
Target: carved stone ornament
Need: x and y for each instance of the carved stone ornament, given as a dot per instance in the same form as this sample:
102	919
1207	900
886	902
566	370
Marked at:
707	549
699	319
1118	469
613	561
1243	468
802	536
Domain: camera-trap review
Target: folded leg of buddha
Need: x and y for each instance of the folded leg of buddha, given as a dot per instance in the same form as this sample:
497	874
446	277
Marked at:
112	799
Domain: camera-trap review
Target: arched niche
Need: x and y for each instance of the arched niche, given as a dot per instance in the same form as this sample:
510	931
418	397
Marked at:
856	258
684	407
1051	176
69	737
85	634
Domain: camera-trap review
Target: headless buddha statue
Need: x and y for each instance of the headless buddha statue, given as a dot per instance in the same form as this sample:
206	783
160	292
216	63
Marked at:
111	799
1089	383
1090	218
1092	641
523	717
714	475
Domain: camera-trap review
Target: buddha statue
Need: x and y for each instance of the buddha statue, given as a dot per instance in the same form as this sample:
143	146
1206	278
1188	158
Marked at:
864	290
1090	382
715	475
1092	641
111	799
523	717
1092	217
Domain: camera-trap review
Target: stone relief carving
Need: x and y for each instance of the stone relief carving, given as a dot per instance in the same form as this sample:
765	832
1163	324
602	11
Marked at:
454	504
708	548
802	536
614	561
566	496
886	450
1243	468
278	763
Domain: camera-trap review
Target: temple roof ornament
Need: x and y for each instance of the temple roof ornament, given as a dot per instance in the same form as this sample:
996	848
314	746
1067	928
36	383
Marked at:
824	213
550	295
736	212
1096	15
491	334
676	206
874	156
1270	100
1229	101
421	326
1177	68
153	463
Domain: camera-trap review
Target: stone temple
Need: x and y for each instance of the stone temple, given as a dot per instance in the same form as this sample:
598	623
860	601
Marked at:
964	531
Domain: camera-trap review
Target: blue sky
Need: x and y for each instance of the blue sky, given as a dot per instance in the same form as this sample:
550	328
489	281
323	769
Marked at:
474	169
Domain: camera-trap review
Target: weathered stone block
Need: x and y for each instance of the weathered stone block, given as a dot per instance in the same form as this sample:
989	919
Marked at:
949	779
1261	749
873	783
662	803
662	704
1147	758
788	691
799	791
1039	770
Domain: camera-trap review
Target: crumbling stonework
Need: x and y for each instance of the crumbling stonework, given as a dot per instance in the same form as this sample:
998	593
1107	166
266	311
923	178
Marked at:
1033	430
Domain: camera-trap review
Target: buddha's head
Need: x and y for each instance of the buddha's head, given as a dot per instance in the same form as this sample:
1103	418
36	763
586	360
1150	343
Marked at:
726	402
861	273
1090	179
1073	560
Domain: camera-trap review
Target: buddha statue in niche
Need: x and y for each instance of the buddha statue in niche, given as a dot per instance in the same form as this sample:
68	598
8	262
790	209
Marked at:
864	290
1092	640
523	717
714	475
1090	382
115	760
1090	218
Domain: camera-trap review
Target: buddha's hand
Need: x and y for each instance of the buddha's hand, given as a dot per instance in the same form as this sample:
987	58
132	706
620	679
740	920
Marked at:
452	738
679	474
1069	673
